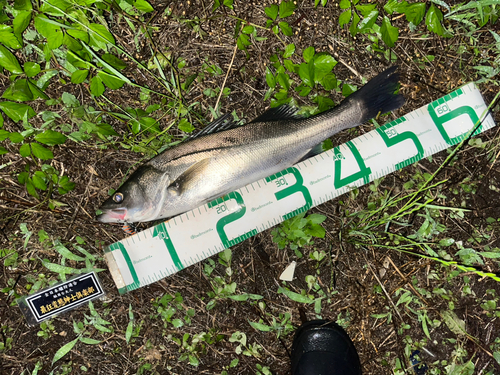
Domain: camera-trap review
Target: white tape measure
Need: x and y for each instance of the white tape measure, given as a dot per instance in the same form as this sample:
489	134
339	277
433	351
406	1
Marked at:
196	235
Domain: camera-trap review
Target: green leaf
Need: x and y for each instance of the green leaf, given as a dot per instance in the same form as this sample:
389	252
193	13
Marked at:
308	54
143	6
41	152
9	39
353	29
111	81
433	20
368	22
395	6
287	8
454	323
272	11
100	35
114	61
243	41
290	66
415	13
39	182
25	150
329	82
260	326
96	86
248	29
345	17
9	61
105	129
348	89
19	91
306	73
323	64
185	126
22	5
79	76
271	81
4	134
289	50
31	69
21	21
65	349
30	188
3	150
295	296
285	28
389	33
17	111
344	4
366	9
51	138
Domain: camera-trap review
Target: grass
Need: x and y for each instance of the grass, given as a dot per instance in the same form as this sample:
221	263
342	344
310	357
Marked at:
408	264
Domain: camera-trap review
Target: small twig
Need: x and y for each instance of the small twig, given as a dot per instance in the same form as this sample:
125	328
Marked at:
225	78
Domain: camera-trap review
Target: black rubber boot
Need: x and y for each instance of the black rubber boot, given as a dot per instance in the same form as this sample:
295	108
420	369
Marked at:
321	347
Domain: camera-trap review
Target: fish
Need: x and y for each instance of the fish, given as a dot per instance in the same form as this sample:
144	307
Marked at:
226	156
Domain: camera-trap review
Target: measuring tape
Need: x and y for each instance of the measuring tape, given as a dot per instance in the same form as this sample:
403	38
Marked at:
167	248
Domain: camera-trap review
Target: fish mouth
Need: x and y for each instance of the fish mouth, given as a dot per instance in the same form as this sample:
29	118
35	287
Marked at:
116	215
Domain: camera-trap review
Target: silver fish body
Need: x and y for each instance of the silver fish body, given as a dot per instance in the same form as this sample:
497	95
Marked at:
211	165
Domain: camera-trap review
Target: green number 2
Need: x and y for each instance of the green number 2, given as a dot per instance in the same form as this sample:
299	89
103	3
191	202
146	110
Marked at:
363	172
233	216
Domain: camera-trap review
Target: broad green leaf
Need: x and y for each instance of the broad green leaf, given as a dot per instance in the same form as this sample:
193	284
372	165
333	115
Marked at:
9	61
284	80
55	7
348	89
271	81
30	188
353	29
394	6
185	126
243	41
272	11
45	26
79	76
31	69
19	91
4	134
56	39
79	34
65	349
96	86
289	50
308	54
143	5
9	39
323	64
105	129
389	33
286	8
248	29
295	296
3	150
17	111
114	61
415	13
290	66
366	9
454	323
41	152
433	20
51	138
25	150
260	326
368	22
345	17
101	33
22	5
306	73
111	81
285	28
344	4
39	182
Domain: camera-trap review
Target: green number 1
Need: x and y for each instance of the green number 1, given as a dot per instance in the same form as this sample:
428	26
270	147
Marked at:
363	172
161	232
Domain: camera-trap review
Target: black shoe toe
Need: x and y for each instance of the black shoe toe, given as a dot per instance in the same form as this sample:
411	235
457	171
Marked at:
321	347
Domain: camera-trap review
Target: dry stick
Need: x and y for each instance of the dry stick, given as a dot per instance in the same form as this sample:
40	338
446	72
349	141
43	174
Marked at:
225	78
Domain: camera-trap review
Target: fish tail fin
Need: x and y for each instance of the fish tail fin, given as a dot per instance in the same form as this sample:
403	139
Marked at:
378	95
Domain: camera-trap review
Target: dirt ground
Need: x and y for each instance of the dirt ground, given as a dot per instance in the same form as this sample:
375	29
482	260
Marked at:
350	275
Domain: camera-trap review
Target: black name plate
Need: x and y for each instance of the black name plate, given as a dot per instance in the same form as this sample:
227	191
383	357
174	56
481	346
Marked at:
60	297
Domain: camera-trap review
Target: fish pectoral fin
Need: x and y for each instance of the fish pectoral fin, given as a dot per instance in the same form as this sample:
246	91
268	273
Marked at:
283	112
189	178
318	149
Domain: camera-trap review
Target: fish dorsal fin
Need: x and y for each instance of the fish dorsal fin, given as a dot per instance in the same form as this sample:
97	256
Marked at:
225	122
283	112
188	178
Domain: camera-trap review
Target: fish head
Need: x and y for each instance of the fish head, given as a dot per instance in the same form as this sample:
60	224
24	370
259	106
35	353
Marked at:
139	199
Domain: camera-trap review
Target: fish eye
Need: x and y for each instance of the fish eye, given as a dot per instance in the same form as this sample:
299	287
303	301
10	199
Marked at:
118	197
